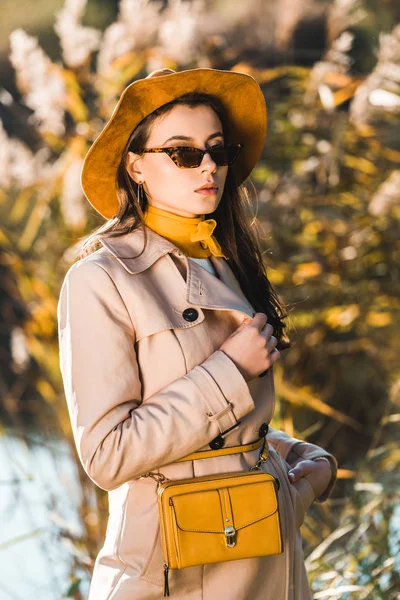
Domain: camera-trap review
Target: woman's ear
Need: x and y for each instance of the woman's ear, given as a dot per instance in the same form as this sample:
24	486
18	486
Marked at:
133	167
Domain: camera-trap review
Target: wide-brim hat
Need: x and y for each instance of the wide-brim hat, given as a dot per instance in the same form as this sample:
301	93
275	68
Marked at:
240	94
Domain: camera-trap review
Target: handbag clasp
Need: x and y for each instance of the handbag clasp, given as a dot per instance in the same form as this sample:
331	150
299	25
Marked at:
230	534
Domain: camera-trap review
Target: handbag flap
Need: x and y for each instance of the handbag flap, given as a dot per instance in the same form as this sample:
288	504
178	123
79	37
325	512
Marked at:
201	511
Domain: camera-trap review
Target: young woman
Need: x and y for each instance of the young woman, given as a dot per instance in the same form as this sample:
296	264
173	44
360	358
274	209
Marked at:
169	329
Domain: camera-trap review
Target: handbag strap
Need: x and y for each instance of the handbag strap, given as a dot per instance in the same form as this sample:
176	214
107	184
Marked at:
223	451
262	442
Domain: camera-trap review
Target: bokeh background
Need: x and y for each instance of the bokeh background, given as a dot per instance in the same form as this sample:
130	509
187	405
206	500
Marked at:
326	196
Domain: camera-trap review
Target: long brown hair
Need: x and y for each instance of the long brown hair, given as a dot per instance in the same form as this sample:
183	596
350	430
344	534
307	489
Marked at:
237	237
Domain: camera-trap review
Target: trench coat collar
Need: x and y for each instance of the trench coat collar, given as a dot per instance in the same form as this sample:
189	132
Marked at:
202	288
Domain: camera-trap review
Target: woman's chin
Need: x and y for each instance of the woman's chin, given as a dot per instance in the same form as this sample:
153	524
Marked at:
205	204
197	206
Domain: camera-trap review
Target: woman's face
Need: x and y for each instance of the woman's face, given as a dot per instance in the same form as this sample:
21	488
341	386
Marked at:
172	188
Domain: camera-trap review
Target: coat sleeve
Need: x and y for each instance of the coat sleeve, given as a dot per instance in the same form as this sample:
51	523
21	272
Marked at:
294	450
119	437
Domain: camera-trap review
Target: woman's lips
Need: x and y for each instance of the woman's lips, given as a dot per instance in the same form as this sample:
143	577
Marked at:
207	191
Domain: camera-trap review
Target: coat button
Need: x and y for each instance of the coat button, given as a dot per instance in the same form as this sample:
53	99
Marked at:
190	314
217	442
262	432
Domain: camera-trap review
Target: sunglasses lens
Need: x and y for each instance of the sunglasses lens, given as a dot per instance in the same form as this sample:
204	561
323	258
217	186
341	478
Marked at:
187	158
224	155
191	157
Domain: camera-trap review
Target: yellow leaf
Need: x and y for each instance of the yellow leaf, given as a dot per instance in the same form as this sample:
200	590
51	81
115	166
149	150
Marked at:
74	102
46	391
124	69
365	130
313	227
346	474
350	199
301	397
375	257
362	179
304	319
260	75
337	79
379	319
56	143
392	155
21	205
131	61
360	164
305	271
341	316
276	276
332	279
384	301
77	146
345	93
4	239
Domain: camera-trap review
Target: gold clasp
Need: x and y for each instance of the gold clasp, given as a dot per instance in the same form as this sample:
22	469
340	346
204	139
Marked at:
230	534
262	457
158	477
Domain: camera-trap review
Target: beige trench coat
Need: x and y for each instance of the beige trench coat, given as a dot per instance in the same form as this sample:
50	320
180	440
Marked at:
145	387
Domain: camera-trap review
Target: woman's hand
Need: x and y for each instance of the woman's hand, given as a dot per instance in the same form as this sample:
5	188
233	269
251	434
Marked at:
317	472
252	347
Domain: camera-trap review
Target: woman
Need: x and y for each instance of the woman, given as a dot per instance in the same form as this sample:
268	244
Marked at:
169	332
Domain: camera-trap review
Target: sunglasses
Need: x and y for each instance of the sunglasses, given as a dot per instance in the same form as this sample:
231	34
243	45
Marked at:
186	157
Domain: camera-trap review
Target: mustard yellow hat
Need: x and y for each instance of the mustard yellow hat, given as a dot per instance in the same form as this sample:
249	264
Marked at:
240	93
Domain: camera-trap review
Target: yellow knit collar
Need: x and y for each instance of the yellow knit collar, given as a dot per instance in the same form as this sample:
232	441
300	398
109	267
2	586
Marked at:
192	235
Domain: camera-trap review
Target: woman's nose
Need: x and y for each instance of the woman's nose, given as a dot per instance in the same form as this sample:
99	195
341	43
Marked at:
207	163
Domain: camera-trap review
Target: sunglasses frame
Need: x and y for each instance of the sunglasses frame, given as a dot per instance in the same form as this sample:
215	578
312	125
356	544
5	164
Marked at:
169	151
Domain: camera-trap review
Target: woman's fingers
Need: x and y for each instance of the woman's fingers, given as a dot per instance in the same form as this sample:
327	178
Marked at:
271	343
317	473
303	468
267	330
252	347
242	325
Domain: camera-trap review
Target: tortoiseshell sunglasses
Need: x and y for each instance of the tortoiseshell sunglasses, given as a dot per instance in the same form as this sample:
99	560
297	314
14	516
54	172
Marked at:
186	157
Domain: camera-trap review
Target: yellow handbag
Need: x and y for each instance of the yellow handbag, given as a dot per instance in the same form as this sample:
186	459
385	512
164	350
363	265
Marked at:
219	517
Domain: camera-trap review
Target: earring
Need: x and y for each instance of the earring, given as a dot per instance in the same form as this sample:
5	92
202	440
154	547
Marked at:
140	193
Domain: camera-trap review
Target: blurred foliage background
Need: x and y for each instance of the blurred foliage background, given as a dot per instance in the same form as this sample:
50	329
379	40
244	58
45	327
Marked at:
326	194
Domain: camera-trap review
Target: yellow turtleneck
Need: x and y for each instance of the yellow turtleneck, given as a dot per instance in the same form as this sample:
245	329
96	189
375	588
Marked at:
192	235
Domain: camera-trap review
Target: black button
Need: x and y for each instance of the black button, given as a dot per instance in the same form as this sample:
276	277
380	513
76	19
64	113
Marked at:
262	432
217	442
190	314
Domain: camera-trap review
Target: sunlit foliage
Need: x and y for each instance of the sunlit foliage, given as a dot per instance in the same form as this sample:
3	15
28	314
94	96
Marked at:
326	194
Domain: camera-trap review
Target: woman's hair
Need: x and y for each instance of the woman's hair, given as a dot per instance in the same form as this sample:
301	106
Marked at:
238	240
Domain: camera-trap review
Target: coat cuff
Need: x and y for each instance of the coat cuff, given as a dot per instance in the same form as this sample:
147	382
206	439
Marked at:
307	451
294	450
224	390
304	499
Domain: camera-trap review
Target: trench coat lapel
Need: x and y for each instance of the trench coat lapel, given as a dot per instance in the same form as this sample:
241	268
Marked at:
203	289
